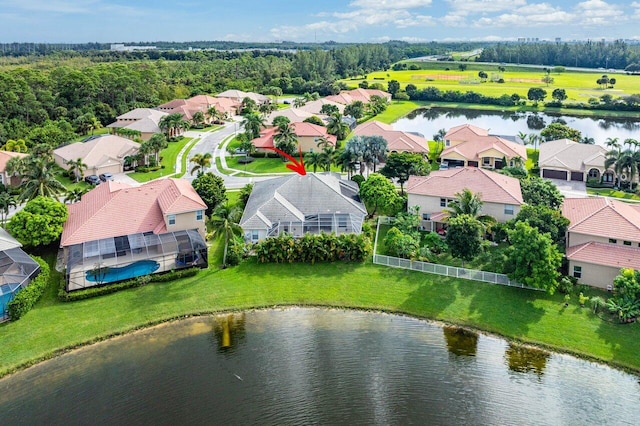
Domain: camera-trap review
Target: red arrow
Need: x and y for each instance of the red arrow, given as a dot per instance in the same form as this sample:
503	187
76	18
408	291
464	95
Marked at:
296	167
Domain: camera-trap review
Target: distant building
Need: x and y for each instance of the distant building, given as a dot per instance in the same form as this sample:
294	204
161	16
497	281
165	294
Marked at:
121	47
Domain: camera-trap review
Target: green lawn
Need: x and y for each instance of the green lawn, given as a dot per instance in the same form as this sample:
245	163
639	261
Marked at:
520	314
610	192
169	156
579	86
101	131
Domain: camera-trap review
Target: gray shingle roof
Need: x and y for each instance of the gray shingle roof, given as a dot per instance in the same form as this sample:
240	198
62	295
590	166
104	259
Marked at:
290	198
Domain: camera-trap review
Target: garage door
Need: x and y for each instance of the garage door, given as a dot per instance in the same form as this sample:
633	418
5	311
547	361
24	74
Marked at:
579	176
554	174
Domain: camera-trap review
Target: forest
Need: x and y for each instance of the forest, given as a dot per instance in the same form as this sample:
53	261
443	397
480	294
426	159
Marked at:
48	96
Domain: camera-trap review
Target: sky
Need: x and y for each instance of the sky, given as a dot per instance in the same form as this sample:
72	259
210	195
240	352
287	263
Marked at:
78	21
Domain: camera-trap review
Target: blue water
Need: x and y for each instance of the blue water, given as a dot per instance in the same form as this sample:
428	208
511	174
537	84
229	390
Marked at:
137	269
4	303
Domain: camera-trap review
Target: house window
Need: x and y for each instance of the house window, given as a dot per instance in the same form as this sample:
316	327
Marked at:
342	222
199	215
443	202
486	161
447	142
426	216
508	209
577	272
254	235
613	241
172	219
626	243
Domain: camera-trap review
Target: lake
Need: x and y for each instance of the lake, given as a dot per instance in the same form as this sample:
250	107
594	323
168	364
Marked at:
428	121
316	366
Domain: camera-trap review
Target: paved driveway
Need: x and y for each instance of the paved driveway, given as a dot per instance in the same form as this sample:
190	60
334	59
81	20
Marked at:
124	178
571	189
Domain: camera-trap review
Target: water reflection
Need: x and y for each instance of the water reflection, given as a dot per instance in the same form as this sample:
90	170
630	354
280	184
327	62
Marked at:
526	359
229	331
460	341
428	121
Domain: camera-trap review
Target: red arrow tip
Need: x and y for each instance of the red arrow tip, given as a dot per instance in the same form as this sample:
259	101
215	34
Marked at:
298	168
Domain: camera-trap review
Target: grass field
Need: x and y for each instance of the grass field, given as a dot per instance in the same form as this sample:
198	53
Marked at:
169	156
523	315
610	192
580	86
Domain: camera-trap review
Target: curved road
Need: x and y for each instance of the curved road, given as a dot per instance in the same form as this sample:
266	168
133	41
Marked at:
212	142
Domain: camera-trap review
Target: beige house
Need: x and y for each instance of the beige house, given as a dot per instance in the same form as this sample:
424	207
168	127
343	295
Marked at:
119	232
397	141
346	97
500	194
5	179
201	103
468	145
144	120
239	95
568	160
308	136
102	154
603	237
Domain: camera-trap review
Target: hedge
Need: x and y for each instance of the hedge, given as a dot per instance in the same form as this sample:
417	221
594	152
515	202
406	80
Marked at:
88	293
28	296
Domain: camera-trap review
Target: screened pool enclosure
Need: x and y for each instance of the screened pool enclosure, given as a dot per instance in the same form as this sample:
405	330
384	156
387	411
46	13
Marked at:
17	270
114	259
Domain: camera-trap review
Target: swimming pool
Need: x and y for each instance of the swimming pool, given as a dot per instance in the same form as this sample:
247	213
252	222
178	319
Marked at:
136	269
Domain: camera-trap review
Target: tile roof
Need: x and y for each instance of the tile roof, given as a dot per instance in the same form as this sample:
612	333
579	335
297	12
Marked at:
145	120
602	217
266	138
314	107
294	115
294	196
100	151
114	209
346	97
476	141
5	156
570	155
493	187
240	95
397	140
613	255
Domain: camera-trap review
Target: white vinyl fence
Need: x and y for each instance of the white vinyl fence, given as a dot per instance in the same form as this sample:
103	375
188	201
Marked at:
437	269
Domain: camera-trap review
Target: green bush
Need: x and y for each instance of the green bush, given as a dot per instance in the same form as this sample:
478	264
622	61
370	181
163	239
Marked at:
88	293
28	296
313	248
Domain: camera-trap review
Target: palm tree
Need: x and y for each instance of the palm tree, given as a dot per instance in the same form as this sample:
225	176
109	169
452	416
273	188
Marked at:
6	202
157	143
224	222
313	159
93	123
39	180
286	140
335	126
347	161
612	143
376	151
623	162
323	143
214	115
280	121
466	202
75	195
16	166
253	123
77	167
201	161
328	156
198	118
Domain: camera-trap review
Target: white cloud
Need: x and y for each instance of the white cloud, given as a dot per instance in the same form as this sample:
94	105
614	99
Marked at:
476	7
598	12
390	4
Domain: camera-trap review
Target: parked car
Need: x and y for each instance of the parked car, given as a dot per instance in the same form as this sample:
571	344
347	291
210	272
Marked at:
239	151
444	166
105	177
92	180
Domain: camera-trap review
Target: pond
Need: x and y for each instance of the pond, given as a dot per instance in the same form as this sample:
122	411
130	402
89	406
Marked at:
316	366
428	121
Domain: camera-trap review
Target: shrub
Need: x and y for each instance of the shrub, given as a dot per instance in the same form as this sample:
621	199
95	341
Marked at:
582	299
88	293
28	296
566	284
313	248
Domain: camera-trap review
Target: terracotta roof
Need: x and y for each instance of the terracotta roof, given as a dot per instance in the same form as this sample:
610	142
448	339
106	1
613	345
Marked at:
173	104
202	100
603	217
114	209
314	107
294	115
476	141
5	156
613	255
570	155
100	151
349	96
397	140
266	138
493	187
